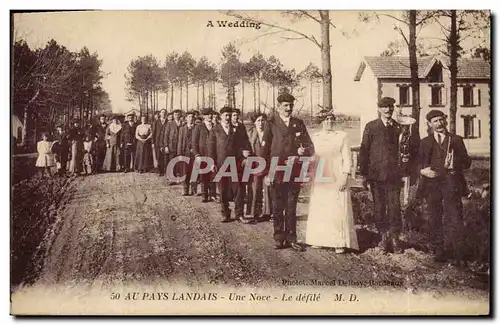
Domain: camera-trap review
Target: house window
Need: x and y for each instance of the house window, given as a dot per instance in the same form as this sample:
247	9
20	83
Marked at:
436	96
404	96
469	127
468	96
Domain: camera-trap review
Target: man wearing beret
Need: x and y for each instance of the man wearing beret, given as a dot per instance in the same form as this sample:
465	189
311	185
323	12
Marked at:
184	148
285	138
100	135
158	128
224	144
199	144
379	167
170	140
128	141
442	160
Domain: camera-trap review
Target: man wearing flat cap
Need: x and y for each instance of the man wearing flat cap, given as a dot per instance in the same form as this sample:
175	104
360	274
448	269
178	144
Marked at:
285	139
442	160
379	168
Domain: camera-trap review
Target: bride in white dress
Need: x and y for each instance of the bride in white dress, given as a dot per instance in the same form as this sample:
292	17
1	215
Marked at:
330	221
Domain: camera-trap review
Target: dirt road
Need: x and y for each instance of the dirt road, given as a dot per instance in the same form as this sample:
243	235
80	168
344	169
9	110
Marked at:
119	228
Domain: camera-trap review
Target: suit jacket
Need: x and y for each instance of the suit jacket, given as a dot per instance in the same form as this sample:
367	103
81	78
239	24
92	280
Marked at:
461	161
283	141
241	133
171	136
128	133
158	128
100	131
185	141
199	142
63	139
222	145
379	152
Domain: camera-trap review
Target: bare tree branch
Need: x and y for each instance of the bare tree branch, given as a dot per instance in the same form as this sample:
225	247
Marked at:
250	19
395	18
403	34
310	15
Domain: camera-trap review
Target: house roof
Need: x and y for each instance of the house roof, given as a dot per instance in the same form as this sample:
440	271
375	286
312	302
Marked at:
399	67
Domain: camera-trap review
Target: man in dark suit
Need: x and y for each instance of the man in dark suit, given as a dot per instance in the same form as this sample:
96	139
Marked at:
200	149
442	160
285	138
158	128
128	141
100	137
225	145
62	150
171	139
379	167
184	148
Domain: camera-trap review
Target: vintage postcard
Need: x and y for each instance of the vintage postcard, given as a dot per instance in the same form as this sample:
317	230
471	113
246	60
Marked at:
301	162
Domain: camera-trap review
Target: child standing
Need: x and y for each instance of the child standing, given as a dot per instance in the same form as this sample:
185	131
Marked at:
45	158
88	145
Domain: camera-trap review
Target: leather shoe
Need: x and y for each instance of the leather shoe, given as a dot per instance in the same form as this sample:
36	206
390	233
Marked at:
297	247
278	244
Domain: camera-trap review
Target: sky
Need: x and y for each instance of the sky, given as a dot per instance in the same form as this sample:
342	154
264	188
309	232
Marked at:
121	36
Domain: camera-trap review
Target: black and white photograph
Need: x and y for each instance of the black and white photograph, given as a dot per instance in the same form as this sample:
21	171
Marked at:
232	162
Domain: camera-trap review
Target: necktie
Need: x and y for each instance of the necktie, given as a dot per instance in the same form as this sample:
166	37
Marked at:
440	140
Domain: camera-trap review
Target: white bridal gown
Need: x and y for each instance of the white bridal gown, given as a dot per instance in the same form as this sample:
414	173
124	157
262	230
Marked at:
330	222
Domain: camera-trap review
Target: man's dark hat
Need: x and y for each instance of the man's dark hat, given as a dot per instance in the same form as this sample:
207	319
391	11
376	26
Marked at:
195	112
206	111
226	109
434	113
285	98
190	112
386	102
236	110
177	111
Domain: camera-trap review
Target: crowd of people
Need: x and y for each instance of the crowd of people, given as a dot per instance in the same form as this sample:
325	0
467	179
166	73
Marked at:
150	147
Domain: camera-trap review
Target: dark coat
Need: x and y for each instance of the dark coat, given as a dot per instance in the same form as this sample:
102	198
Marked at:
222	145
128	133
199	143
379	152
432	154
171	136
158	128
185	141
100	131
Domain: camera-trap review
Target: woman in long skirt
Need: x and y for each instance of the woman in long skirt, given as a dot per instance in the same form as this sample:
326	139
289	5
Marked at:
113	135
143	151
330	221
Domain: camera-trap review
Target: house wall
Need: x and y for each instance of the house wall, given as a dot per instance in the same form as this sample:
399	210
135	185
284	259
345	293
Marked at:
16	124
366	98
480	143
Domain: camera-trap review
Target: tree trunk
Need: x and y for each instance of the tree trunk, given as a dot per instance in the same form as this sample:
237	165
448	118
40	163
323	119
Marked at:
26	116
453	39
258	92
180	97
415	83
166	97
172	96
274	98
254	95
311	95
203	94
198	96
325	59
187	94
242	97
